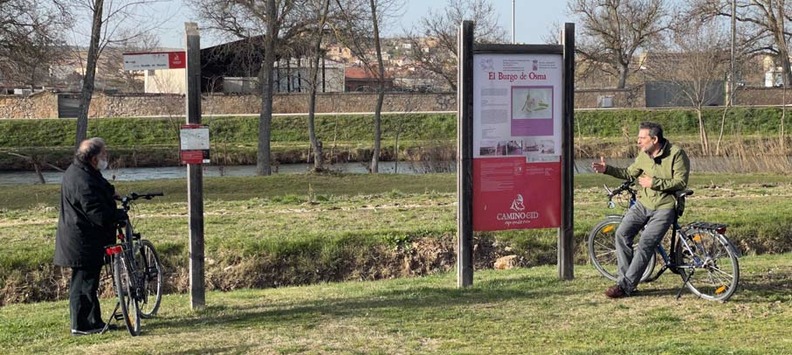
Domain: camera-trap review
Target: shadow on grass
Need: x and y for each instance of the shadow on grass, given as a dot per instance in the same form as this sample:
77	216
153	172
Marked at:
406	304
754	287
421	300
766	286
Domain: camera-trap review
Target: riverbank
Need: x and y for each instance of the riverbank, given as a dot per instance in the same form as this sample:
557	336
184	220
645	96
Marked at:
738	154
301	229
749	134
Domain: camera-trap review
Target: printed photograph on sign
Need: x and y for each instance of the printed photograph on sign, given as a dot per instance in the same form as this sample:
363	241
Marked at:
495	148
532	110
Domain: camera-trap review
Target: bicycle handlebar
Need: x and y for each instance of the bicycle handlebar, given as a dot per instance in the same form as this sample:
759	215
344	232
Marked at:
125	200
134	196
625	186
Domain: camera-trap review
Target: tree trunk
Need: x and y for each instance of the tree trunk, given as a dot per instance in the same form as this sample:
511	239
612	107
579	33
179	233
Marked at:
702	133
380	91
90	73
782	133
263	164
720	133
316	145
39	174
377	129
622	76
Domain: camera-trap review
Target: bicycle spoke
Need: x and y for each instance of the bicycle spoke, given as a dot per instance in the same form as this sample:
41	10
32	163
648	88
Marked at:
716	259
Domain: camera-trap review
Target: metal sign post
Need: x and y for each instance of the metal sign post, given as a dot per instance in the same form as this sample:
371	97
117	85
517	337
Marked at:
566	234
465	157
194	171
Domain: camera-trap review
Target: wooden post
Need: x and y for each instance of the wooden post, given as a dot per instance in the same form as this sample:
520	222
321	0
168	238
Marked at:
566	232
194	171
465	157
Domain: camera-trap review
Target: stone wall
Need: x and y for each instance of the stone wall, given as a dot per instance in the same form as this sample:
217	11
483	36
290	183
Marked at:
37	105
620	98
45	104
762	96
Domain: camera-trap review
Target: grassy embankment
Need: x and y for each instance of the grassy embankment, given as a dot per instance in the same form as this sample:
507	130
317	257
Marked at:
301	229
516	311
748	133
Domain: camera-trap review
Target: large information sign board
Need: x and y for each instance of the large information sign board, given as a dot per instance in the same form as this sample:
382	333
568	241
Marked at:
517	117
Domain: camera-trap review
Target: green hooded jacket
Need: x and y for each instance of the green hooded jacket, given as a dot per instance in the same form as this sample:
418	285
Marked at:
669	173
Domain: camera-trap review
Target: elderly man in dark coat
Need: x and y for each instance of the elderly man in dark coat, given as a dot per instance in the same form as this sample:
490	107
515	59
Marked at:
85	226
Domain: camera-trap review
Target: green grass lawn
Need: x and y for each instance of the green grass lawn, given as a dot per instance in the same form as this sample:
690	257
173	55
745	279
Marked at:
524	310
302	229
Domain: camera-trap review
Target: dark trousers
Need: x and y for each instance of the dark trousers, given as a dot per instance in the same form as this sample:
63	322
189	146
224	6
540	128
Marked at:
83	299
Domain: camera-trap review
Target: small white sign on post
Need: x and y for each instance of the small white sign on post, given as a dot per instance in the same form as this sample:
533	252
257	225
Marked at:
194	144
155	60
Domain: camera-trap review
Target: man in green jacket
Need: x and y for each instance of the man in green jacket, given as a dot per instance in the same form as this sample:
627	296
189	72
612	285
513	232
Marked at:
660	169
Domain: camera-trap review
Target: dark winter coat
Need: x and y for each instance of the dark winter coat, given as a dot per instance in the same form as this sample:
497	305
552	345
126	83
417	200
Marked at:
86	223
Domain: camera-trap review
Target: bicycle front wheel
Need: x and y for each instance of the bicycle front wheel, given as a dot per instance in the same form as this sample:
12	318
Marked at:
125	291
709	263
602	249
148	263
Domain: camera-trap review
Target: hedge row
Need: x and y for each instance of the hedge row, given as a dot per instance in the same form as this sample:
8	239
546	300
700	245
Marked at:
134	132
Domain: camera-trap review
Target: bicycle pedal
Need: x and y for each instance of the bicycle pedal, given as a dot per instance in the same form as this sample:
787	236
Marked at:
118	316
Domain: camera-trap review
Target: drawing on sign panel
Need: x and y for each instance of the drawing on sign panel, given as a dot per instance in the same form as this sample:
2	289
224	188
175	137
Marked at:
532	102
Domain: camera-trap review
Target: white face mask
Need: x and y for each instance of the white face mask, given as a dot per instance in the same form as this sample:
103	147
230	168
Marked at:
102	164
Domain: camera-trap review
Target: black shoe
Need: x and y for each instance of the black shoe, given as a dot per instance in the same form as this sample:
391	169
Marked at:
77	332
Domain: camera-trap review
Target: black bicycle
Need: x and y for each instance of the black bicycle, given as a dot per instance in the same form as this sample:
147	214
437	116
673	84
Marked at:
136	270
699	252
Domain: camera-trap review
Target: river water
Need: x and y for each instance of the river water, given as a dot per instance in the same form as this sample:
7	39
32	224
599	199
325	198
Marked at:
582	166
180	172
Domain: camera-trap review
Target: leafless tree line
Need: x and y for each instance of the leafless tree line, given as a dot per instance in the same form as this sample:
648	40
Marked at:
695	46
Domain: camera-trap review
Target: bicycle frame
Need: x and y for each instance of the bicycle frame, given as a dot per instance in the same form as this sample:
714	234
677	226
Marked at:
129	244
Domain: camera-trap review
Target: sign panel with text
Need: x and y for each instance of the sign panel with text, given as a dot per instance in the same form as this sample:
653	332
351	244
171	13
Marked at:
194	144
155	60
517	117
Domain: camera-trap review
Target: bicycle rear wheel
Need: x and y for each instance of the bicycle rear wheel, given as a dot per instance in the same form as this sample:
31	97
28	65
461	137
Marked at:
149	265
126	298
602	249
710	264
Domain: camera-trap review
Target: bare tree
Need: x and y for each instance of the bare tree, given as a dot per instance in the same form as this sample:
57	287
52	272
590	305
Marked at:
762	25
322	9
110	19
360	32
434	42
270	24
30	40
612	31
695	67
